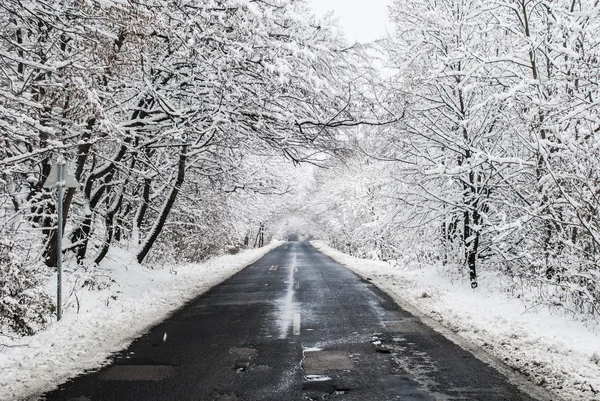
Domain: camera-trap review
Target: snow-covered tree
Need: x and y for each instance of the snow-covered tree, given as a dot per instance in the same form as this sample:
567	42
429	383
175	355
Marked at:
175	114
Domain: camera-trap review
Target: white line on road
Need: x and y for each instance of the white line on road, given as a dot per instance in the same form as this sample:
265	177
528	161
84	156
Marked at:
296	325
287	307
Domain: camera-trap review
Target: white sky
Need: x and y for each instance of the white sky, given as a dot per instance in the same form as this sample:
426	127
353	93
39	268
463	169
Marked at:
362	20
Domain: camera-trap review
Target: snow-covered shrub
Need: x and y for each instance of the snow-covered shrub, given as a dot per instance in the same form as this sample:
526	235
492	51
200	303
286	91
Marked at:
92	277
24	307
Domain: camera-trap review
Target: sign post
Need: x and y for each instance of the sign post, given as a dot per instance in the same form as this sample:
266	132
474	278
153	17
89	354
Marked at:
60	179
59	228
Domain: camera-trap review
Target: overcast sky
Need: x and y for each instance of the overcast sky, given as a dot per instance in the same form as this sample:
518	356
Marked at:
362	20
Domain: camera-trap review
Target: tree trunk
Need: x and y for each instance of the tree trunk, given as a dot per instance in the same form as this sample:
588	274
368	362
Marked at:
471	219
110	228
141	212
81	234
120	224
162	218
473	249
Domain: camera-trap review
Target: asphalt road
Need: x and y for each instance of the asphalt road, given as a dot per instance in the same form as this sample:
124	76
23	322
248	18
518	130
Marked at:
295	325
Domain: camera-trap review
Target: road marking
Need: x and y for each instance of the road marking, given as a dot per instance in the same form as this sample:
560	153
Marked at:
297	285
296	325
274	267
287	308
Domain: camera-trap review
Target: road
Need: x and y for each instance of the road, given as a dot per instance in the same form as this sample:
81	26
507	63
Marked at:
295	325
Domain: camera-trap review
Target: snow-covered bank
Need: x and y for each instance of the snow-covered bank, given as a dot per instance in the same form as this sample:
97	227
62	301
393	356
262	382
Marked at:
554	351
108	320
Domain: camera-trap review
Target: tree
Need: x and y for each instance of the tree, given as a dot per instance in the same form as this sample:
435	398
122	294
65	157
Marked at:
152	99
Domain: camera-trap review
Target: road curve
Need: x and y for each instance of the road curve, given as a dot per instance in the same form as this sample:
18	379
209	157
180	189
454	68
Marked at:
295	325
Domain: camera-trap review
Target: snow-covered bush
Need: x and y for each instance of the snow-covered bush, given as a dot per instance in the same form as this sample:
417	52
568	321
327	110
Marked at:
24	306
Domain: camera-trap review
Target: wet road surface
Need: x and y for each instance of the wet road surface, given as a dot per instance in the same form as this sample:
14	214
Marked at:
295	325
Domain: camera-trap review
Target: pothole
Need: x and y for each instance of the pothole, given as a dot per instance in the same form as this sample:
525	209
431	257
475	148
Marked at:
137	373
319	362
408	325
323	389
227	398
243	357
244	352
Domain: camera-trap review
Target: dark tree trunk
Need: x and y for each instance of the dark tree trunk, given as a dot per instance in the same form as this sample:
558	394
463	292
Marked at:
449	229
471	219
141	213
473	249
81	234
162	218
121	222
110	228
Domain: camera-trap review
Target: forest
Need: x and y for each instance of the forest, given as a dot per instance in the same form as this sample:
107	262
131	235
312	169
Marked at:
468	138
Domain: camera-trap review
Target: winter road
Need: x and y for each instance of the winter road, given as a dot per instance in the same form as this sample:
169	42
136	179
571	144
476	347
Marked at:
295	325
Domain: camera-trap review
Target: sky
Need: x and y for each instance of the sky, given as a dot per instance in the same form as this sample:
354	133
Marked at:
362	20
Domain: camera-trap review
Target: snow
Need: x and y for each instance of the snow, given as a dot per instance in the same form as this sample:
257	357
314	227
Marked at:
108	320
553	350
317	378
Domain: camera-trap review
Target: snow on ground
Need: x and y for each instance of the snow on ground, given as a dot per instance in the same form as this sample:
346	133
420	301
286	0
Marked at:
108	320
555	351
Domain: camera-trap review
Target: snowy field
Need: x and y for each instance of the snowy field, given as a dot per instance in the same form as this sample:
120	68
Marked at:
108	320
552	350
